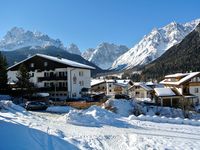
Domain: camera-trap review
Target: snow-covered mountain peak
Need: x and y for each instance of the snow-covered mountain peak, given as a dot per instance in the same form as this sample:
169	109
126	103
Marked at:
154	44
73	48
17	38
104	54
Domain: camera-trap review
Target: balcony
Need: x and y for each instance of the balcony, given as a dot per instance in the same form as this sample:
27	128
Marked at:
52	88
51	78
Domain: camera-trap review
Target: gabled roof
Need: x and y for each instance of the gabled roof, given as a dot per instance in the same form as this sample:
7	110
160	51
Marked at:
185	77
122	83
56	59
142	85
164	92
97	81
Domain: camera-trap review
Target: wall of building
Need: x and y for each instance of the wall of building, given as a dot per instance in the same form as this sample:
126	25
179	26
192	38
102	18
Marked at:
110	88
139	93
195	90
99	87
78	79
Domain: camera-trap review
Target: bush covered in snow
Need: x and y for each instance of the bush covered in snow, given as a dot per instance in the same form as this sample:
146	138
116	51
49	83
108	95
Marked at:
131	107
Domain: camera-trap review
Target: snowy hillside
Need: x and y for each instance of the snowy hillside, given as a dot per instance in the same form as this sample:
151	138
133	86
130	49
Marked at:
18	38
154	45
93	128
105	54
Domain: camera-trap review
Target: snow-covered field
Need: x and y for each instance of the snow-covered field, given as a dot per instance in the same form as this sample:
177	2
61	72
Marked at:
93	128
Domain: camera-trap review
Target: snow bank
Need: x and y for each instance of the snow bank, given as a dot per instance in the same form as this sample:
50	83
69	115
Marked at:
165	120
120	106
95	116
59	109
128	107
9	105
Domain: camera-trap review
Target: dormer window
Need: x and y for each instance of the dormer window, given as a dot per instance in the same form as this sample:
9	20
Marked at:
32	65
45	63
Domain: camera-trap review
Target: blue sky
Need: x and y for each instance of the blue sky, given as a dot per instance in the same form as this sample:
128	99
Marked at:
87	23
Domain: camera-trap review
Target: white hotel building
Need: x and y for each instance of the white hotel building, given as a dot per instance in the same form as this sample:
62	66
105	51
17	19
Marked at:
59	77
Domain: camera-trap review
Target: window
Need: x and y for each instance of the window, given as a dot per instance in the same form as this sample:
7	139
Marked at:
81	83
45	63
51	74
137	87
32	74
74	95
110	90
60	84
110	85
46	74
196	90
137	93
32	65
61	74
80	73
46	84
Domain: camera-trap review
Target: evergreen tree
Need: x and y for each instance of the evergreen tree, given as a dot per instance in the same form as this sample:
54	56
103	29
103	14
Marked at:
23	82
3	73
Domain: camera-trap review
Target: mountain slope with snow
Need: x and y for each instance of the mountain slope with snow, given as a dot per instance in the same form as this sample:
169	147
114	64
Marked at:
105	54
154	45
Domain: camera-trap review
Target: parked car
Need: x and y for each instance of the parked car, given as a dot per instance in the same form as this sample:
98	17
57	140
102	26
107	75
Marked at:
121	96
33	105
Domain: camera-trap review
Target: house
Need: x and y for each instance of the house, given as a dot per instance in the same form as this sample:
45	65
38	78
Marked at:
183	86
141	90
111	87
61	78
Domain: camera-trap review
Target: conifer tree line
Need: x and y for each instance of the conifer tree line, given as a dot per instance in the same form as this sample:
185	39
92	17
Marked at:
23	84
3	73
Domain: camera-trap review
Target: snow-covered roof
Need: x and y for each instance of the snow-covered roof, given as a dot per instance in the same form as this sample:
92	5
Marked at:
143	85
164	92
59	60
97	81
185	77
123	83
117	82
110	81
176	75
147	88
151	83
